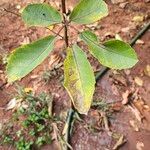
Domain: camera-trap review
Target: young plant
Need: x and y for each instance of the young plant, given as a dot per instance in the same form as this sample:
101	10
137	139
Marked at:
30	127
79	79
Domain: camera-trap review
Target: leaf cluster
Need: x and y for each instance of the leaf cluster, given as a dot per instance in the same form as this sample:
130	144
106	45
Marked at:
79	78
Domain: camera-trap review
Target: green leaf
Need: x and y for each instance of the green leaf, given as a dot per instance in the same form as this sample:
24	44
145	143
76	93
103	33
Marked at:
114	54
25	58
41	15
89	11
79	79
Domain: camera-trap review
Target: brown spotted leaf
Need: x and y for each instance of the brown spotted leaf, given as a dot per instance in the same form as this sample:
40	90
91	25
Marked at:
79	79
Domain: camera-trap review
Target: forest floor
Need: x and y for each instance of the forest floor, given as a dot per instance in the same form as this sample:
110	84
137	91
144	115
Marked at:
122	119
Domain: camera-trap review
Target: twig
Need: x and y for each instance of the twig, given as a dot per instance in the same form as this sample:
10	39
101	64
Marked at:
63	4
140	34
59	31
12	12
55	33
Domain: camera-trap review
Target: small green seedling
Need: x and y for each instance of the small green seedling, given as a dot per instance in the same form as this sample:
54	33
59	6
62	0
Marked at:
31	124
79	79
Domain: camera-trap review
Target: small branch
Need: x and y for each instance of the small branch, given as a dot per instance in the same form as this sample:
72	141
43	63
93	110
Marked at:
63	4
12	12
55	33
59	31
140	34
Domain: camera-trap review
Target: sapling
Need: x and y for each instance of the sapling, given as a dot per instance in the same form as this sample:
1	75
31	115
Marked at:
79	79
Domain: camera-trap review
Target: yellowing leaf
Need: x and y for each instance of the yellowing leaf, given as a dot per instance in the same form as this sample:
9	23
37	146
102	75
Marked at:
50	27
27	90
79	79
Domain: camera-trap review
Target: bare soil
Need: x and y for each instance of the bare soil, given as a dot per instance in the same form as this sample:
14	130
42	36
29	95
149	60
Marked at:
130	117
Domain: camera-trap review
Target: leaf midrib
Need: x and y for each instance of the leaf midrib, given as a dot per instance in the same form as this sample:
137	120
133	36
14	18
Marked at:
107	49
77	65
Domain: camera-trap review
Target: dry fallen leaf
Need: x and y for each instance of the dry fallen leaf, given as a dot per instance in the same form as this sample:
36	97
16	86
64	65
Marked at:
15	104
140	145
125	30
55	59
139	42
147	70
116	106
136	112
123	5
127	71
59	142
25	41
55	136
1	126
138	18
125	96
138	81
117	1
12	104
119	143
27	90
50	106
134	125
18	7
118	37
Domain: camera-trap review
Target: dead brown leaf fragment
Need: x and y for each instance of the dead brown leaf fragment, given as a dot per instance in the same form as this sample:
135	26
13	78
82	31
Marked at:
134	125
140	146
125	97
138	18
138	81
136	112
147	70
119	143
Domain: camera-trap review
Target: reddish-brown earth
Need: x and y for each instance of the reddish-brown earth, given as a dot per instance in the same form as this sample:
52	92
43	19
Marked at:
110	88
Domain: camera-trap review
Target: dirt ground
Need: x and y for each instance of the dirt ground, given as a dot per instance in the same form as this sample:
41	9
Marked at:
127	91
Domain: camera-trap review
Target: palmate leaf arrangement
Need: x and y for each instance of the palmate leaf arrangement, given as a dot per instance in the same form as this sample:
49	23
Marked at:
79	79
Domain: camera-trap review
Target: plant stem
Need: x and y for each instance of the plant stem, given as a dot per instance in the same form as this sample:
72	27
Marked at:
63	4
9	11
